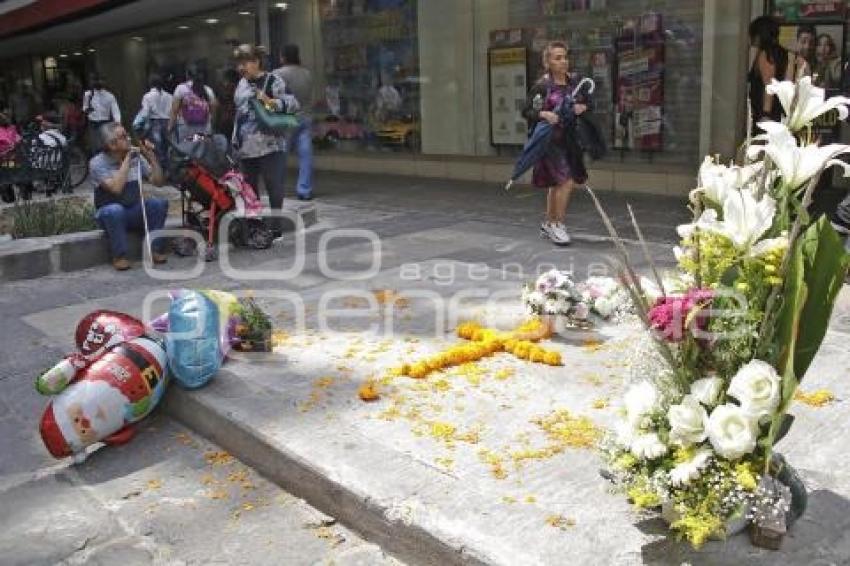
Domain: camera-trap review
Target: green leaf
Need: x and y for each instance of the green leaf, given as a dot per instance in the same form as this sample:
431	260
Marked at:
784	427
730	276
824	267
788	322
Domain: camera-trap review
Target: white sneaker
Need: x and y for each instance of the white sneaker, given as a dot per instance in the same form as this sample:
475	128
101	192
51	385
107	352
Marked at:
556	232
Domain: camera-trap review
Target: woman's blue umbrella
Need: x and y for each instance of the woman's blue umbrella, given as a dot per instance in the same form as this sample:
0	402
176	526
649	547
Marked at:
538	143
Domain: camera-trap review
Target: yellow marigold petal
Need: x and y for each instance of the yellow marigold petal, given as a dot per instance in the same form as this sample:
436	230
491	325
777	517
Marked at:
369	391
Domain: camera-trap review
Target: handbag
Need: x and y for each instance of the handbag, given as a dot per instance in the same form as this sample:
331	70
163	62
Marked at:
270	121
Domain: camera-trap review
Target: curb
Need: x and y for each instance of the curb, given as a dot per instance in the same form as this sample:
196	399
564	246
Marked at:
408	542
31	258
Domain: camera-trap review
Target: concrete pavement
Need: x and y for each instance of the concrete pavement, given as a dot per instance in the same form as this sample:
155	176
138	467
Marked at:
480	465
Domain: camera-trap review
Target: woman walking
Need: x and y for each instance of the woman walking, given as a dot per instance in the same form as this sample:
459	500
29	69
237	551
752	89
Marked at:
261	154
193	106
156	109
562	168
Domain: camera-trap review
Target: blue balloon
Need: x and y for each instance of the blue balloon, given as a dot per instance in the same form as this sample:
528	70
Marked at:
193	343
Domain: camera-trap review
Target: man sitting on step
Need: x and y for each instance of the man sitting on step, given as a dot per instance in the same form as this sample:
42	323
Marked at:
116	173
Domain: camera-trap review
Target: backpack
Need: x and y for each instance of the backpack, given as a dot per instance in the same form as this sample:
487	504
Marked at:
195	110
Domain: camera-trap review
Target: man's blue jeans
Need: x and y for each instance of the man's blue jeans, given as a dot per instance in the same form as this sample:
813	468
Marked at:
116	219
302	144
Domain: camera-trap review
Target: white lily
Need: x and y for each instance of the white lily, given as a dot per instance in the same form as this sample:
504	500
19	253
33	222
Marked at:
745	219
811	102
779	244
716	180
796	164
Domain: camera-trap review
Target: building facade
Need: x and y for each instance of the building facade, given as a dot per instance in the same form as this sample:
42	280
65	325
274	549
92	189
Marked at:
434	87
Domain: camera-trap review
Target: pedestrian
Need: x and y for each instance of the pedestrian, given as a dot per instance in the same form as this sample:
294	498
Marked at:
771	61
562	168
193	106
299	80
156	110
23	104
115	172
226	114
100	107
260	154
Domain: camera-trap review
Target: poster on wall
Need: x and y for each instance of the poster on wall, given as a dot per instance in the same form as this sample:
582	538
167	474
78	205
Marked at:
508	68
818	49
639	85
814	33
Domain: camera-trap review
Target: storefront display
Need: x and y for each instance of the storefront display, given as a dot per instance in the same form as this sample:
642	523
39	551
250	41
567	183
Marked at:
371	69
641	58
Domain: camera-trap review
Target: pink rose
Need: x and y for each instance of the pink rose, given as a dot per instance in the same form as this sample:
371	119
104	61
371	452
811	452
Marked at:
669	316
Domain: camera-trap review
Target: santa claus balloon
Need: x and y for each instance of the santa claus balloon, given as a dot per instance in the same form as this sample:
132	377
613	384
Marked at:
116	379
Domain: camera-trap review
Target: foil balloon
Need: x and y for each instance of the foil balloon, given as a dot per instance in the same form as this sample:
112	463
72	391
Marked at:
119	388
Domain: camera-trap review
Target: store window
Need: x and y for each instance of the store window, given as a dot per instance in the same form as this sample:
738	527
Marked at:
644	58
368	87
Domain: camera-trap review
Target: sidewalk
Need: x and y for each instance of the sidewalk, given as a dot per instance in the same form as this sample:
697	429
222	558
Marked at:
480	465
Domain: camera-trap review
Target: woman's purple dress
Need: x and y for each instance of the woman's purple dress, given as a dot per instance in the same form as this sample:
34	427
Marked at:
563	159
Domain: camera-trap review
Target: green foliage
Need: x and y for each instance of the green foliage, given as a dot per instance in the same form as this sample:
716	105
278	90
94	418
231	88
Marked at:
50	218
825	265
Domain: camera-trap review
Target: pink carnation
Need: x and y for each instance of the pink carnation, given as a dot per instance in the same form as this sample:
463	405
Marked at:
670	315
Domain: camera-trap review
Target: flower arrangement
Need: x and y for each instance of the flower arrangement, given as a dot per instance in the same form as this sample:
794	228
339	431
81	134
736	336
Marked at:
700	423
555	293
252	327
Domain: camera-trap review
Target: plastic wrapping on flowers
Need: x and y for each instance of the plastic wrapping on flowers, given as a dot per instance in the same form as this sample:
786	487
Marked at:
711	396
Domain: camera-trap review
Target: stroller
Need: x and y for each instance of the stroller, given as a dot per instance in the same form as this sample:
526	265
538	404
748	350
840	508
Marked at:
211	187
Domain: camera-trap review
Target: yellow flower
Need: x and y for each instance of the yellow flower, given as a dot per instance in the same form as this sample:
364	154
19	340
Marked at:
745	477
552	359
419	371
369	391
818	398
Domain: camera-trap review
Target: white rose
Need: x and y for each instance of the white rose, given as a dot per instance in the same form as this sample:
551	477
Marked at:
687	422
758	388
602	286
641	399
707	390
535	298
648	446
686	472
624	434
604	307
732	431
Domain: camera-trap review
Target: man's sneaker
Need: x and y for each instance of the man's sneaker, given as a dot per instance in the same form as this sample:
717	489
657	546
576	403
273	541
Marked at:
120	264
160	258
556	232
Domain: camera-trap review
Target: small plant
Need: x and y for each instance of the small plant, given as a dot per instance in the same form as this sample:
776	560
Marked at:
36	219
